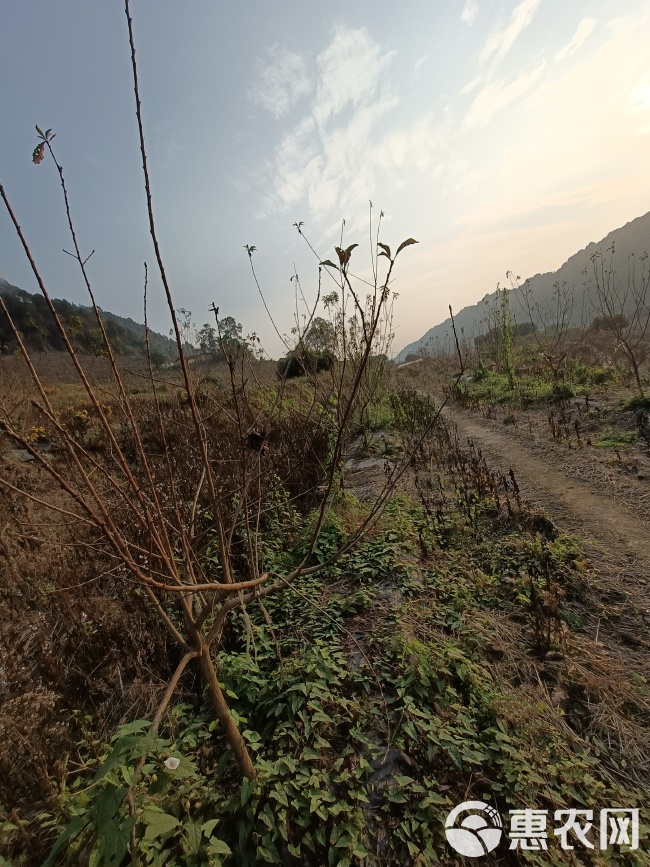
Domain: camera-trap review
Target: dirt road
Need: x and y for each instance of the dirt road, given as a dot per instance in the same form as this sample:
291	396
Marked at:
616	539
571	501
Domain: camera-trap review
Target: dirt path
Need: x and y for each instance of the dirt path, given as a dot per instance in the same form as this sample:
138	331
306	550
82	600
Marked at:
566	497
617	541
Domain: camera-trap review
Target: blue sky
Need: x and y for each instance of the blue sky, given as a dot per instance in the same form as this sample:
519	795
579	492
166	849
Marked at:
501	135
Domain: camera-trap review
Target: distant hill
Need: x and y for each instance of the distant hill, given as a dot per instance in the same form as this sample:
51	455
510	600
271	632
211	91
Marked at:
39	333
634	237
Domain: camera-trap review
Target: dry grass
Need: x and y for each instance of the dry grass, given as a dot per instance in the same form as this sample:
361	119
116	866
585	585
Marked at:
81	652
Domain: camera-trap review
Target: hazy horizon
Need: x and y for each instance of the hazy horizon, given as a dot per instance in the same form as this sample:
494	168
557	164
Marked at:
501	135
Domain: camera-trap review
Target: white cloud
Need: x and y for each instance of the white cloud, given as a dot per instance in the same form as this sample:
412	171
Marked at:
640	95
472	85
330	158
419	63
640	99
281	82
578	153
417	147
578	39
470	11
501	40
497	95
348	72
296	160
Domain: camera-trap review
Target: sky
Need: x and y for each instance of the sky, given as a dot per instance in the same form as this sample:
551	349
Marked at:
502	135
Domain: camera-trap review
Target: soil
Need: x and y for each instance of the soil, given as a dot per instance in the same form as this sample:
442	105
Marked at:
589	494
591	497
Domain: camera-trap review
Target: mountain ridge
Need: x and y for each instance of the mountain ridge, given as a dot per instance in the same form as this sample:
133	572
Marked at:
632	237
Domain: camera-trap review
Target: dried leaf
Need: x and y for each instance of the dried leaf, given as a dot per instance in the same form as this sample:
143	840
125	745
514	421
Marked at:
329	263
406	244
385	248
344	255
39	153
39	131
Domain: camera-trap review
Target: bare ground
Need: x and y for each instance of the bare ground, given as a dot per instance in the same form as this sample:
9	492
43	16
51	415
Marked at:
611	520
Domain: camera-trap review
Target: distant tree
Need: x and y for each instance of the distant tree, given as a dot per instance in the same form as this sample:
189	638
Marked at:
230	334
186	327
608	323
320	335
216	342
208	341
158	358
303	362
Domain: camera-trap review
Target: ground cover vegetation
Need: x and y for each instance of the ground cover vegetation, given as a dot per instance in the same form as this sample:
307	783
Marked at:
256	618
441	658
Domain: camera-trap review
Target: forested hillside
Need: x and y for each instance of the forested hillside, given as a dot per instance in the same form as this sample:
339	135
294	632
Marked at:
39	332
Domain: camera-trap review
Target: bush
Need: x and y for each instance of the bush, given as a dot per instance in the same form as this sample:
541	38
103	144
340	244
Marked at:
638	404
302	362
562	391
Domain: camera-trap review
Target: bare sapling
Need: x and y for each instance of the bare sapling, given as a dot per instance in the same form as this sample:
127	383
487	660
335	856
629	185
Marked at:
621	305
178	492
499	331
357	333
552	322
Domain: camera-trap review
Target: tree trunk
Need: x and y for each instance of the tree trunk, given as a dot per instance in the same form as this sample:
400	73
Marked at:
222	712
635	366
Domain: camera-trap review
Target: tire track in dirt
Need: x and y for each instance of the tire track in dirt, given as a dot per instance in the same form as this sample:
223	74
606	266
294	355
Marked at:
616	541
562	495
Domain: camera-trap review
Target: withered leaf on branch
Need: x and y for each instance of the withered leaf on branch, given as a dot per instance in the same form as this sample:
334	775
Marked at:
385	250
406	243
39	153
344	255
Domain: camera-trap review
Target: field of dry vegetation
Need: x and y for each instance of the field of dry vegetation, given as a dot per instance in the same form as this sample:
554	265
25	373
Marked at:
422	633
293	613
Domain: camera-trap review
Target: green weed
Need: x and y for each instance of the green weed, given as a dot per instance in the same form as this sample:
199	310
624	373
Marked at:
617	440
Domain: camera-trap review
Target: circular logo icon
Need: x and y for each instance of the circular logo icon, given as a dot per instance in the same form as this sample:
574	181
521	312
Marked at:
478	833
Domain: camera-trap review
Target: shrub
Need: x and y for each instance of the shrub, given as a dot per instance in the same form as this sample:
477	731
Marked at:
562	391
302	362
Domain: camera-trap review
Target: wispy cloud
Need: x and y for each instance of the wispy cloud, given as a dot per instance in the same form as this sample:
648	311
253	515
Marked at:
501	40
472	85
499	94
536	172
281	82
640	95
578	39
330	157
469	13
640	100
418	147
418	65
348	72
